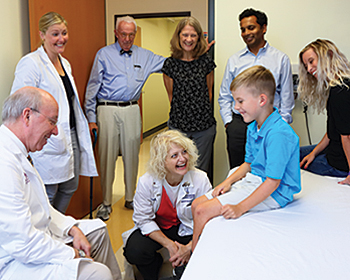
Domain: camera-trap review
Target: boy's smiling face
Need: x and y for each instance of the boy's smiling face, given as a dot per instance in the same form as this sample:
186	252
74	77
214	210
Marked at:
247	103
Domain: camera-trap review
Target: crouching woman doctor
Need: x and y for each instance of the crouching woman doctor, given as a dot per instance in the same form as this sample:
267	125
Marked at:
69	154
162	204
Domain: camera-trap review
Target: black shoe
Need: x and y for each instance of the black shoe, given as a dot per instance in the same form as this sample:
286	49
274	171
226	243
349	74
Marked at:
179	270
177	273
129	205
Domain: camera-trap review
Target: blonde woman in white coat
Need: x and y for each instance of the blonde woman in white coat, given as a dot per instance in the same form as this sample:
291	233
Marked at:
162	205
69	154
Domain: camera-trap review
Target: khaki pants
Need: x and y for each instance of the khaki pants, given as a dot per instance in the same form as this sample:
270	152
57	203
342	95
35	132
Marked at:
119	131
105	265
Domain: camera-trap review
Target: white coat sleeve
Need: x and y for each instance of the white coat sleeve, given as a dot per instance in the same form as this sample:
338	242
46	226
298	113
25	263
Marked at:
60	224
144	213
26	74
18	235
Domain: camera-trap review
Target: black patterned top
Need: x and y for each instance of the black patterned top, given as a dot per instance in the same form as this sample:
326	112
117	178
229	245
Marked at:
190	106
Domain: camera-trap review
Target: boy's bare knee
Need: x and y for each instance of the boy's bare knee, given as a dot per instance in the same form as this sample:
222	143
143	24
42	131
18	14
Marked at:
199	210
198	201
207	210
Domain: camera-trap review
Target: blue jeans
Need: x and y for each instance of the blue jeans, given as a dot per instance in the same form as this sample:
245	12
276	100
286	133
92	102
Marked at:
320	164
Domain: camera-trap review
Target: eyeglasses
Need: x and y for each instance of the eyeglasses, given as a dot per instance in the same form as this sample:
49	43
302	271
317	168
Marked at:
124	35
52	121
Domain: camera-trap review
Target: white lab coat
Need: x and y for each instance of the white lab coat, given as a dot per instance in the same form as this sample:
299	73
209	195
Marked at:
148	196
32	232
55	162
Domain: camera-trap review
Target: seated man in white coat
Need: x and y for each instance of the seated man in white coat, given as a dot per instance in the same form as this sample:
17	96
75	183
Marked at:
36	241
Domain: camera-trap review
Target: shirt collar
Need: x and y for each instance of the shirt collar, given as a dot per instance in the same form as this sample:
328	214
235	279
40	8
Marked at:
246	50
274	117
119	47
21	148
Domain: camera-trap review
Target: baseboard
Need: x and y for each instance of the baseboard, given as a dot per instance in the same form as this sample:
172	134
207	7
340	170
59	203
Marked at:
154	130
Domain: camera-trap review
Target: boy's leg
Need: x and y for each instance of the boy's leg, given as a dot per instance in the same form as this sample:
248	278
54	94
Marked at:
202	214
197	201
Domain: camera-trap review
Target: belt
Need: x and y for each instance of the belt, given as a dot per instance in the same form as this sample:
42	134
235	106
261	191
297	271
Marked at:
118	104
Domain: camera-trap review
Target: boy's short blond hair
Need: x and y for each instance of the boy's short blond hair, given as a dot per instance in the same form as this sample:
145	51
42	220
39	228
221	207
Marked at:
258	79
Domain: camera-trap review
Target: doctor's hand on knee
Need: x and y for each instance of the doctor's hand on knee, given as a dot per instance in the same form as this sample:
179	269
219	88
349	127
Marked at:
79	241
81	254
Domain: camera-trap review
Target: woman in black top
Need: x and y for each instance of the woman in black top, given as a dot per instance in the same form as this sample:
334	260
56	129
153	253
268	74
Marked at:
324	74
188	78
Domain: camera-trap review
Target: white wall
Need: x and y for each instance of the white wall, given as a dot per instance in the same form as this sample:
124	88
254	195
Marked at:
14	34
291	26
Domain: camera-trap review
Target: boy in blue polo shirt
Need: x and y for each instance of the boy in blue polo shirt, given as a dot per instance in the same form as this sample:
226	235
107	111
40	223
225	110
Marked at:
270	175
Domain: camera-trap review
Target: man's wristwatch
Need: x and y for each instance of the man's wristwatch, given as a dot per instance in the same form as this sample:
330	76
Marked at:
81	253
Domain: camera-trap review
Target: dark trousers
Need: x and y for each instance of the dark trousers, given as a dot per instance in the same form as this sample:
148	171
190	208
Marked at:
141	250
204	141
236	132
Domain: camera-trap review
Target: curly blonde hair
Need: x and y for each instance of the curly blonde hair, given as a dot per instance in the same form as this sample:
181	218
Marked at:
175	47
332	68
160	146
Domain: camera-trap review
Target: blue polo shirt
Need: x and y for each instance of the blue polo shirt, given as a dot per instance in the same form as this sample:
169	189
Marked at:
273	152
